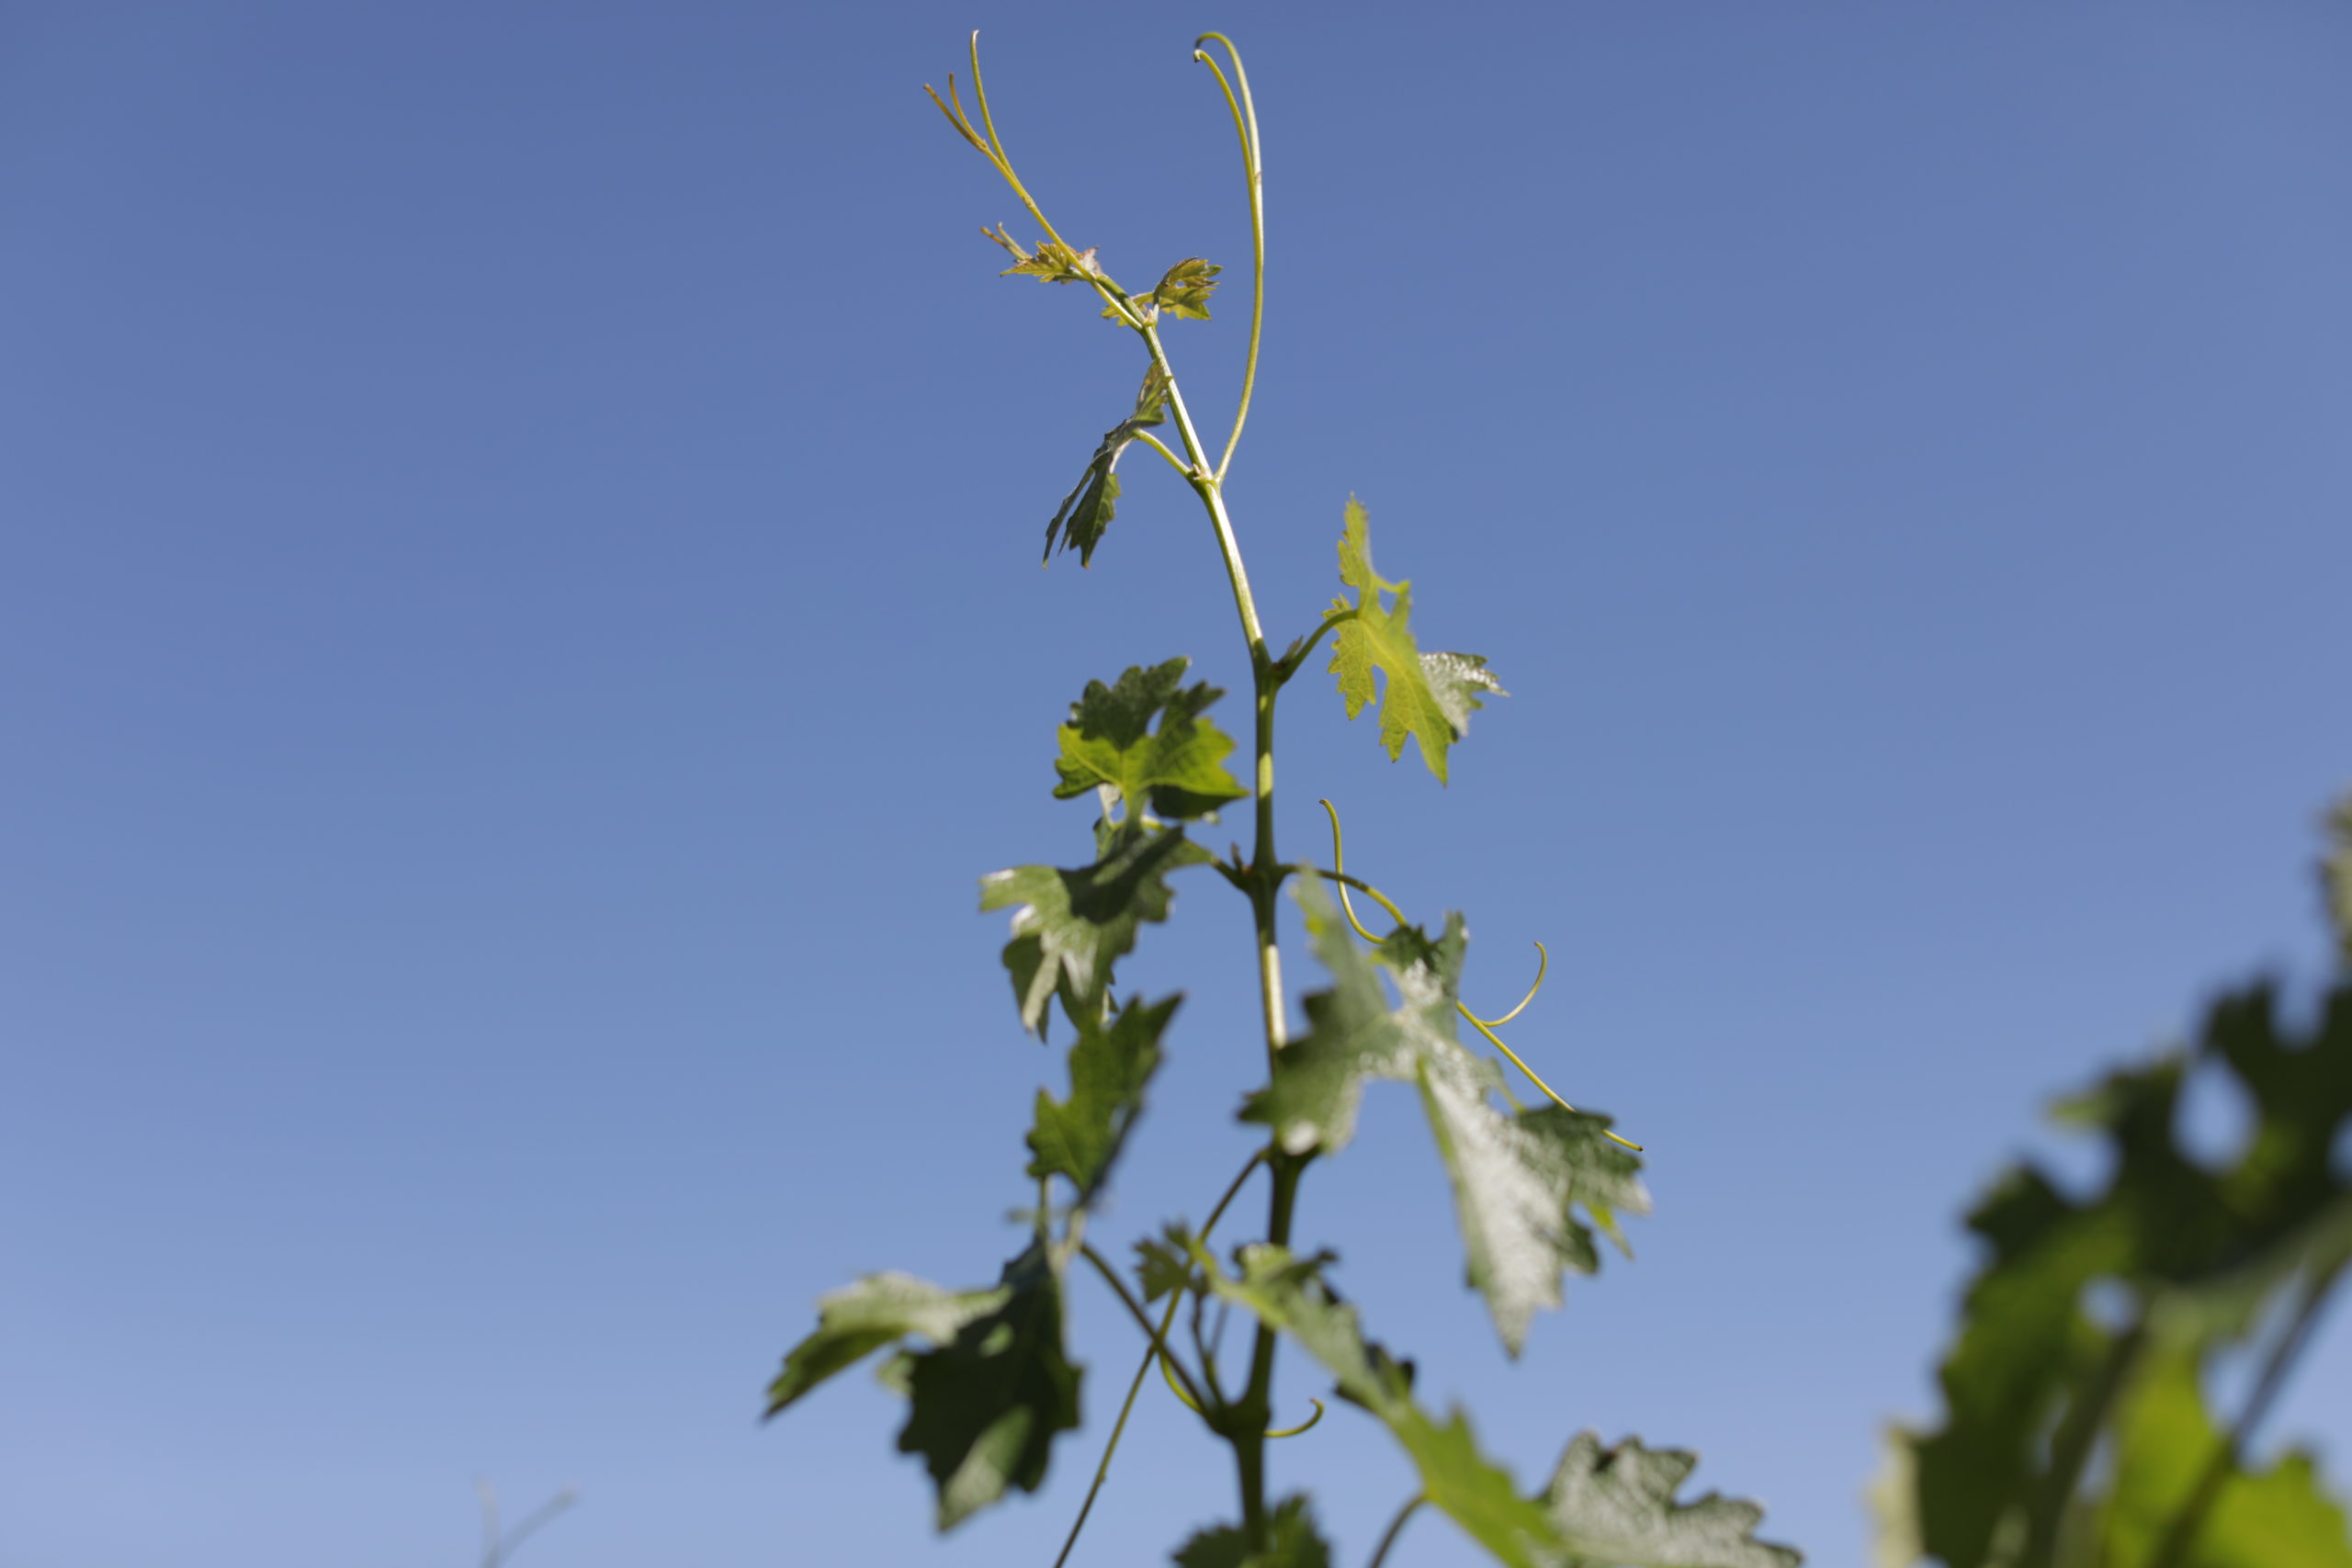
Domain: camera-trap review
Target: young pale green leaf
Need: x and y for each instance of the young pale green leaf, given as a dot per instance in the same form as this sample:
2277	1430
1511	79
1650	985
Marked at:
1068	927
1290	1542
1185	290
1518	1178
988	1402
1053	260
1424	697
1176	772
1079	522
1109	1064
1615	1508
879	1309
1287	1294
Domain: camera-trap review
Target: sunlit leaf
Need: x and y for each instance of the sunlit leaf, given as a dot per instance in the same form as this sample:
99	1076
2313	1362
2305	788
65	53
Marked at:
1052	260
1176	772
1423	697
1615	1508
1068	927
1518	1178
1185	290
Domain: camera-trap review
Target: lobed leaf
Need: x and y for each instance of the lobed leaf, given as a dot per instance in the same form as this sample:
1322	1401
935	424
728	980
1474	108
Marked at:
1518	1178
1615	1508
1164	1263
1426	697
1086	512
1185	289
987	1394
1109	1066
1069	927
988	1402
1177	771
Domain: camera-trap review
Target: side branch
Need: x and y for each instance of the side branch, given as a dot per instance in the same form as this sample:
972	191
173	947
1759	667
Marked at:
1143	1321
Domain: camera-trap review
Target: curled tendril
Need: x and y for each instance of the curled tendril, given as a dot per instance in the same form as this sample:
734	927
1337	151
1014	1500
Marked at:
1253	171
1169	1373
1303	1426
1543	964
1484	1026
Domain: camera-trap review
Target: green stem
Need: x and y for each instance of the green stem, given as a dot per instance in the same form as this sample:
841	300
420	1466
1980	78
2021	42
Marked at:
1251	1412
1288	664
2071	1446
1148	439
2183	1530
1135	1387
1396	1527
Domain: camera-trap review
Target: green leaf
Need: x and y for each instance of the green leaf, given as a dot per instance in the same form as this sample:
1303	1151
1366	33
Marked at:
860	1319
1109	1066
2199	1251
988	1402
1287	1294
1615	1508
1068	927
1053	260
988	1394
2278	1517
1185	290
1079	522
1518	1178
1352	1036
1177	771
1164	1264
1290	1542
1425	697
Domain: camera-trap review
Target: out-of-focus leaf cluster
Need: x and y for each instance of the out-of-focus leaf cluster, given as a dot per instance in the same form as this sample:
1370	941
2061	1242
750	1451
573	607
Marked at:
2077	1429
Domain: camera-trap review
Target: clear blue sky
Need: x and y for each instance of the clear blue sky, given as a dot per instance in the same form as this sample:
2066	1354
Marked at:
520	624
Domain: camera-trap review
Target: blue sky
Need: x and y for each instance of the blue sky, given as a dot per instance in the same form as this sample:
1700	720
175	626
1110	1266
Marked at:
521	625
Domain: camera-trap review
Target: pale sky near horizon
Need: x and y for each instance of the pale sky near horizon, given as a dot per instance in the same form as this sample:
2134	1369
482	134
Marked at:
520	626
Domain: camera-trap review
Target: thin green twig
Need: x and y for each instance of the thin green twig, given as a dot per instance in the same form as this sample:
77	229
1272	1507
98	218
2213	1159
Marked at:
1134	1385
1396	1527
1134	1309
